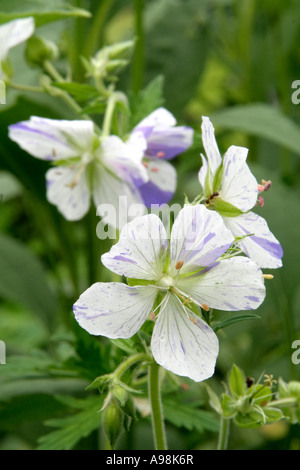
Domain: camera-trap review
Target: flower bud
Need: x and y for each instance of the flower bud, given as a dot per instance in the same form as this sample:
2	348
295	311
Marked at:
113	422
39	49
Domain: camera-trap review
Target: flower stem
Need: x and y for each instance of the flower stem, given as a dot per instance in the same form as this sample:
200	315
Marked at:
156	407
139	357
26	88
223	434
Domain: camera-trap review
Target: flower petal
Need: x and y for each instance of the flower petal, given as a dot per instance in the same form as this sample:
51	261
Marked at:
161	117
13	33
238	185
113	309
73	201
199	237
232	284
52	139
210	146
203	172
183	343
262	247
161	185
167	142
140	251
116	200
125	158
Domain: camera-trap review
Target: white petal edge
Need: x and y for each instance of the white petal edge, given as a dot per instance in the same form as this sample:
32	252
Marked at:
238	185
183	343
231	285
72	202
139	253
210	146
13	33
262	247
113	309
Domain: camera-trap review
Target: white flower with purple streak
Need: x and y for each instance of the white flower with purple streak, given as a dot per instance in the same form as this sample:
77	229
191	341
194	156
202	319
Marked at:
166	280
165	141
231	189
13	33
84	164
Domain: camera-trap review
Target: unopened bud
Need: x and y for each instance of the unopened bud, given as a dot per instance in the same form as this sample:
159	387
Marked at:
39	49
113	423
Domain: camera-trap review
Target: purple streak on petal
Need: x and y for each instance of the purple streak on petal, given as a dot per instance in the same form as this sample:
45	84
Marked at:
169	145
124	258
209	237
273	248
182	347
152	194
252	298
36	131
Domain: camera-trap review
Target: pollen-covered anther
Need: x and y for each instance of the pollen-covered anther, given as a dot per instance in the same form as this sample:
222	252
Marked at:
179	264
268	276
160	154
152	316
205	307
261	201
193	320
266	184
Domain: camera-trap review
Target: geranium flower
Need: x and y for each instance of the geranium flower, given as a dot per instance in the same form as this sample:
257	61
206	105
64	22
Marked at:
84	165
165	283
13	33
165	141
231	189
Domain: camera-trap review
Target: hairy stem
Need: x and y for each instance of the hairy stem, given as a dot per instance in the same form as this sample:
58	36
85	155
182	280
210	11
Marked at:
223	434
156	407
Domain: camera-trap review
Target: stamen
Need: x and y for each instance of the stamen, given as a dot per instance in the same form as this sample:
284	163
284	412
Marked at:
268	276
152	316
53	151
179	265
160	154
266	184
193	320
155	169
145	164
261	201
205	307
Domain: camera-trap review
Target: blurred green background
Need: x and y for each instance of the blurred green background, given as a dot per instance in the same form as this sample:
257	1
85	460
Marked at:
232	60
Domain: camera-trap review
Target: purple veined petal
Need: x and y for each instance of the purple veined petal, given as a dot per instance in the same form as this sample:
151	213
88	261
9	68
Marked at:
72	200
13	33
231	284
210	146
125	158
167	142
238	185
51	139
113	309
161	185
203	172
140	251
199	237
262	247
161	117
117	201
183	343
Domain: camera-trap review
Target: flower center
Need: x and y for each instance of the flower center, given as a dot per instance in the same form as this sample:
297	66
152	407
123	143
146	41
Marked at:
166	282
211	199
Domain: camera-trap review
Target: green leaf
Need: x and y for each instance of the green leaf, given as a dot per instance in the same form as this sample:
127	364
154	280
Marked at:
80	91
261	120
146	101
74	427
237	382
189	416
273	414
41	11
24	279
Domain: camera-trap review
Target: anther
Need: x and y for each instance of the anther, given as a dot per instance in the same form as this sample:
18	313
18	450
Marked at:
205	307
179	265
193	320
145	164
268	276
160	154
261	201
152	316
155	169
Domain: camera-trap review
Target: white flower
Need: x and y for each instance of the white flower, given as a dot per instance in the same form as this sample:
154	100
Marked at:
13	33
231	189
85	165
169	280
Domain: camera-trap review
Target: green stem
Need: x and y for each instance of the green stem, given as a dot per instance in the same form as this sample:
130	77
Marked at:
139	357
156	407
26	88
223	434
138	57
97	27
114	98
